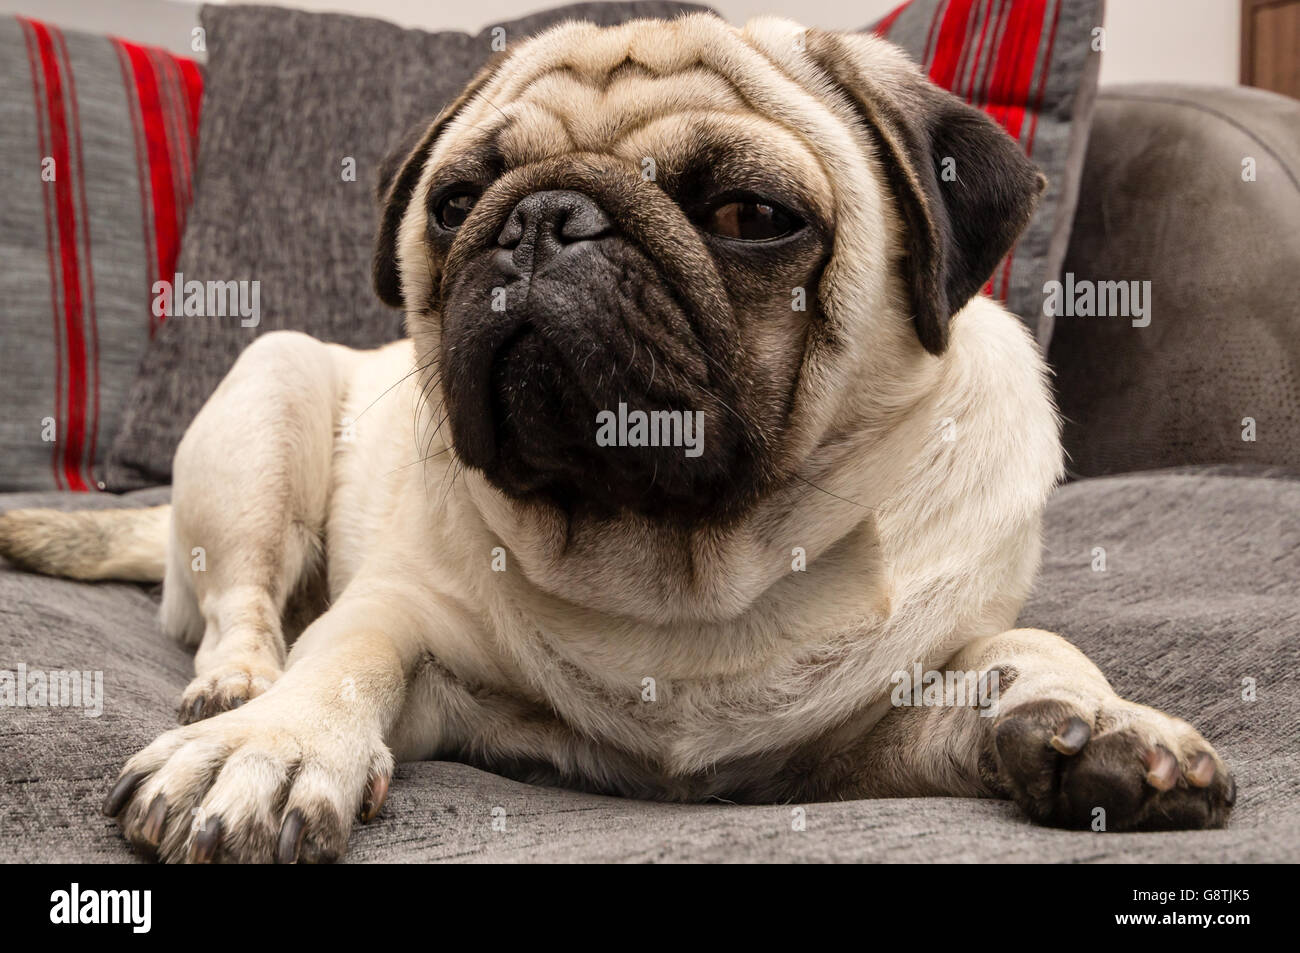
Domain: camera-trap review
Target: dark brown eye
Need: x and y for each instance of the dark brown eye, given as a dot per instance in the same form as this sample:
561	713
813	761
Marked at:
751	220
455	208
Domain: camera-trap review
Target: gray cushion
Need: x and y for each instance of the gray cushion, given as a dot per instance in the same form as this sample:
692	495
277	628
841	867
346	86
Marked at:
1198	593
289	96
1163	200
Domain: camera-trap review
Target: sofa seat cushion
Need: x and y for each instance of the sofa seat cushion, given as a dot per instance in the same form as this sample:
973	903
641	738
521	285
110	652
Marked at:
1197	595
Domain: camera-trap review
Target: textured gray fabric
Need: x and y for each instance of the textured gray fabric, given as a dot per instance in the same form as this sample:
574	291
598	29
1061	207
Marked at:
79	250
1199	592
289	96
1164	201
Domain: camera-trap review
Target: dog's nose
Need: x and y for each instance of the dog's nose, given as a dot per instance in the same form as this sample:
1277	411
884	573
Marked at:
545	224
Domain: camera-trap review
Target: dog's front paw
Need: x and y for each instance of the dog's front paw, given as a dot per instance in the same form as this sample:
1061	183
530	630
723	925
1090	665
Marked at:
267	782
1144	769
224	688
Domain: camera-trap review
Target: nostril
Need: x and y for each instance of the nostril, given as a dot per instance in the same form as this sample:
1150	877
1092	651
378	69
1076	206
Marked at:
513	231
543	223
583	221
505	263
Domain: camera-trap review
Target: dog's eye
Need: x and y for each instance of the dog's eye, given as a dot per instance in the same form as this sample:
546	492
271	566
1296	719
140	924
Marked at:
751	220
454	208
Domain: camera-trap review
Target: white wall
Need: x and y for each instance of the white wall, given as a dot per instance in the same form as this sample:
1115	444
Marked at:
1194	41
1181	41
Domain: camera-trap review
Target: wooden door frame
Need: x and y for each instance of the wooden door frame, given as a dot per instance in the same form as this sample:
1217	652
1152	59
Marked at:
1248	8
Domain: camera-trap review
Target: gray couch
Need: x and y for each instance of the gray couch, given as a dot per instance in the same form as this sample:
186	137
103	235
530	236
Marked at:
1197	610
1199	593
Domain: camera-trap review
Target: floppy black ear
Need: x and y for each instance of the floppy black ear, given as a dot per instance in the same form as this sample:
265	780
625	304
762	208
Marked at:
959	225
399	174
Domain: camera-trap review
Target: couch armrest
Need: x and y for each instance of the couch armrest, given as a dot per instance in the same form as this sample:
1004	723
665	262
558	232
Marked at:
1168	197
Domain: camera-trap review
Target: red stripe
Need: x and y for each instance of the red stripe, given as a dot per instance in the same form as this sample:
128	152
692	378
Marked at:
980	92
977	67
1015	67
166	232
73	438
948	48
178	137
187	93
184	139
141	167
935	19
1042	84
33	59
92	424
960	86
887	22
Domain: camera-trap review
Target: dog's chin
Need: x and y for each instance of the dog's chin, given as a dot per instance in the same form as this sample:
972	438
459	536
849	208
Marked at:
536	438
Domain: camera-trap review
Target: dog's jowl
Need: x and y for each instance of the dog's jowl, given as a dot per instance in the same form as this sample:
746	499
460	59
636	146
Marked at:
524	580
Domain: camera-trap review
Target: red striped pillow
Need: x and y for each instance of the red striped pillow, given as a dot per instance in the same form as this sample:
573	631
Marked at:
1030	65
97	149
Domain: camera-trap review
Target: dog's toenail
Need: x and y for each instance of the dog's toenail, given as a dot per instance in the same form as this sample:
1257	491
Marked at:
376	794
1201	771
121	793
152	829
1072	736
207	841
295	825
1162	768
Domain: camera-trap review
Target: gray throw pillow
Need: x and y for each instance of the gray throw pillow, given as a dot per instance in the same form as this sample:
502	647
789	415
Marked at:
97	144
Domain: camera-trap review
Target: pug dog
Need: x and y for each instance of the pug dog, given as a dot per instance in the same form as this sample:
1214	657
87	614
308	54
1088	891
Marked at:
837	474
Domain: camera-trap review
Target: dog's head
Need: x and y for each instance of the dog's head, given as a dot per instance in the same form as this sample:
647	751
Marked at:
656	266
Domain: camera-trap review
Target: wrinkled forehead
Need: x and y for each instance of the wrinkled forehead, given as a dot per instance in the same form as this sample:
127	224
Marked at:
657	90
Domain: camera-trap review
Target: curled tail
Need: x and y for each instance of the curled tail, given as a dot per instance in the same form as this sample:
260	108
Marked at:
128	544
